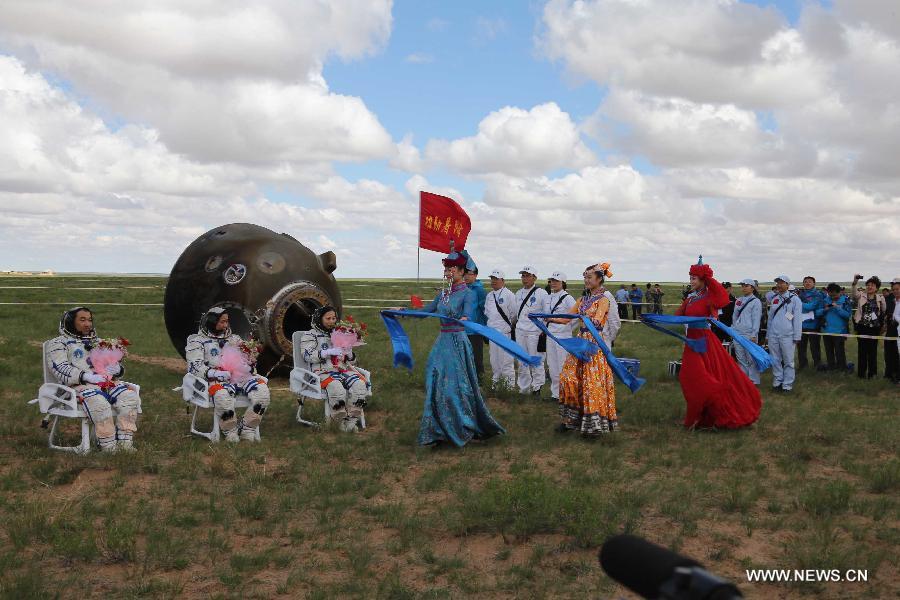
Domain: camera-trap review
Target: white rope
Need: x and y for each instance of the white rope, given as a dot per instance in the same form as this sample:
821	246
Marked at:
53	287
843	335
76	303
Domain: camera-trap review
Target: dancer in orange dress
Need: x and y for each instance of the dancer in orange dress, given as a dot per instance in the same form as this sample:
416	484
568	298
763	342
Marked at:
587	392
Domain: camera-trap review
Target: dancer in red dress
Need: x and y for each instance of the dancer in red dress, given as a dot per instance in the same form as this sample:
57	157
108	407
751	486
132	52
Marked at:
717	392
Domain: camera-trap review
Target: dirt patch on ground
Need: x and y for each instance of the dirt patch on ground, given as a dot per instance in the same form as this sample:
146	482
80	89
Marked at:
166	362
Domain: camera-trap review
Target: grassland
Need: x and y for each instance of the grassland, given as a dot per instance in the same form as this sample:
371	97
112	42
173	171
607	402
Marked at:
320	514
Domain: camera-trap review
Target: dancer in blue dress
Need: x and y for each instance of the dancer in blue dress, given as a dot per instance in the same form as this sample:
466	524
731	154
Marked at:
454	408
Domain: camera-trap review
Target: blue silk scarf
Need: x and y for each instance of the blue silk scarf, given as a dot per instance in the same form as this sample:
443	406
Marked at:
403	351
760	357
583	350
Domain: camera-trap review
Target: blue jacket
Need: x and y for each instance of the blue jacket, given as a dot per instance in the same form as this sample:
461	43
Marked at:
813	302
478	315
837	319
636	296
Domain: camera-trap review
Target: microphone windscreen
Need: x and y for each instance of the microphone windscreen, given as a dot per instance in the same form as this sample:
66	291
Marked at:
639	565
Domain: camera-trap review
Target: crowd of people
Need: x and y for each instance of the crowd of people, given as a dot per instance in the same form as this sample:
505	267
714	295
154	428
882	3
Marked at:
785	322
827	316
637	300
534	333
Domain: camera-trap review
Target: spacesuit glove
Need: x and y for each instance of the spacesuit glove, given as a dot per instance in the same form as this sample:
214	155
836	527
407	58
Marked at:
90	377
114	370
333	352
218	375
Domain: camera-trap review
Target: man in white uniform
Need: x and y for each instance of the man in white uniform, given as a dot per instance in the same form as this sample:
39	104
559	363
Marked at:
500	309
561	302
530	299
784	333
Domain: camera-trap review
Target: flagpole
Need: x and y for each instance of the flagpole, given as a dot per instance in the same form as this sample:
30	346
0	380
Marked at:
419	244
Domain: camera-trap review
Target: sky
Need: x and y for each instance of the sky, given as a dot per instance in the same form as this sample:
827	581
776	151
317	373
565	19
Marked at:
764	135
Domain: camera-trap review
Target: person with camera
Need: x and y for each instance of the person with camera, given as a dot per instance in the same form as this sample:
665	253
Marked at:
636	297
836	318
869	320
657	294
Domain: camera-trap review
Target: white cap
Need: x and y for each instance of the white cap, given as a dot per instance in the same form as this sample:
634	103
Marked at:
528	269
784	278
559	276
498	274
896	280
748	282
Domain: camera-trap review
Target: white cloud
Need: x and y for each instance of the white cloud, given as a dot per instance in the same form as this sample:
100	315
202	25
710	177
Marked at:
69	186
219	82
517	142
673	132
699	50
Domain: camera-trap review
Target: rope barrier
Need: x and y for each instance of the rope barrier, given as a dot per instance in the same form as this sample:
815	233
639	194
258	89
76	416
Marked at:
53	287
76	303
355	306
843	335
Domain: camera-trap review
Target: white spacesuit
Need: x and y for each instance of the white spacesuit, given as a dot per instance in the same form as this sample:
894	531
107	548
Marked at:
345	386
111	408
203	352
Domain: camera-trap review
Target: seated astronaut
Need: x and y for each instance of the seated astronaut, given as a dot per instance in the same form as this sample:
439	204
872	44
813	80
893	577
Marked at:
110	404
346	388
203	353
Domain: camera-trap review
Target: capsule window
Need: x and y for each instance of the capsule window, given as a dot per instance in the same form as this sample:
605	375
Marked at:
213	263
271	263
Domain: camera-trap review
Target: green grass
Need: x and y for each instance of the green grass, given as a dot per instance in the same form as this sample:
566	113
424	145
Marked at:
320	514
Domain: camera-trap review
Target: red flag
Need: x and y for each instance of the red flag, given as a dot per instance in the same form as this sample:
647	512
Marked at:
441	219
416	301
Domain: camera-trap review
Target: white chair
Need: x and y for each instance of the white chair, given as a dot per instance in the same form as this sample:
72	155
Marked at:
56	400
195	390
307	384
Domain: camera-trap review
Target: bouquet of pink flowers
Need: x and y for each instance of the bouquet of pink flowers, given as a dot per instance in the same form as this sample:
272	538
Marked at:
236	362
105	354
348	334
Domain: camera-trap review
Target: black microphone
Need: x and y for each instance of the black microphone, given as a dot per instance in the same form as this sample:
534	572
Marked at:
655	572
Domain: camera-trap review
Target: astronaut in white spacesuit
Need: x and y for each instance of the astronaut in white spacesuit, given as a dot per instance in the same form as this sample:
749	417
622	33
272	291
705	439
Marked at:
203	353
345	386
111	405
